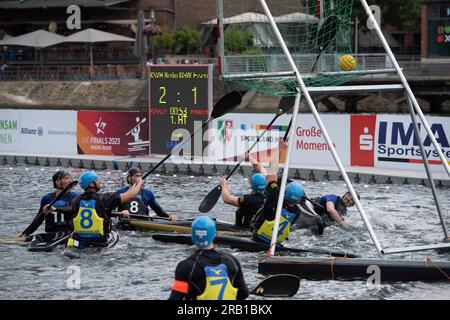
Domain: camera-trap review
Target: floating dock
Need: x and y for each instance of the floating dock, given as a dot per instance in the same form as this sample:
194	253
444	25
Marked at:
357	269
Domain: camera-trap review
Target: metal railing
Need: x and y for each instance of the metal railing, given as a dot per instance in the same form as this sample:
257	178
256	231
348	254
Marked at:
72	73
412	65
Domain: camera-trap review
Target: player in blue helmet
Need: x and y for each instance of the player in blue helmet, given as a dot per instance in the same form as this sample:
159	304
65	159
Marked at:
196	277
141	203
55	222
247	204
91	211
290	212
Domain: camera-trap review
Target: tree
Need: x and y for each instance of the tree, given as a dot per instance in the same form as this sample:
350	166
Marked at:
403	14
238	41
186	38
165	40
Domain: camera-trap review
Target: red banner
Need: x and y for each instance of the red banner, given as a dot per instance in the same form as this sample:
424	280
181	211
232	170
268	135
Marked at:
362	143
112	133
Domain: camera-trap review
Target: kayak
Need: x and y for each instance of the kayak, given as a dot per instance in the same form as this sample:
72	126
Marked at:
20	241
244	244
75	251
309	219
183	226
356	269
46	242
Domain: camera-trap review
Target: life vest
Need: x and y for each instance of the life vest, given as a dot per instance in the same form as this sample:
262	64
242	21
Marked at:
264	232
218	284
56	221
136	206
87	223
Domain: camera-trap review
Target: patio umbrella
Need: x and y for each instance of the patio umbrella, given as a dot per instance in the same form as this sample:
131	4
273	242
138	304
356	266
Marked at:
140	43
92	36
37	39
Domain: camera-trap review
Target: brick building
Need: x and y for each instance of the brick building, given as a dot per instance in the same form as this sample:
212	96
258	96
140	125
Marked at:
18	17
435	29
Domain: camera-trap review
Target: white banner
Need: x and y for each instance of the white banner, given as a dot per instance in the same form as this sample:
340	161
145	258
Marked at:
235	133
49	132
9	130
398	148
38	131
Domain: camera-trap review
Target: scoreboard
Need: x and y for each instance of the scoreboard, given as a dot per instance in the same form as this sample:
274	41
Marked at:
179	95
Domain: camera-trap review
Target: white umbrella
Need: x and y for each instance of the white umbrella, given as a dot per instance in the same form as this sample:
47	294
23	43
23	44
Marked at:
247	17
37	39
296	17
95	36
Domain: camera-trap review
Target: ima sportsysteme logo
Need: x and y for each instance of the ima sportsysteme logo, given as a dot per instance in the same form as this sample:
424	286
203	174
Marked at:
397	142
387	140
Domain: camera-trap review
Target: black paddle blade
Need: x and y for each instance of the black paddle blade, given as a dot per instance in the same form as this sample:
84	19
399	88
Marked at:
210	200
280	285
61	195
327	32
286	103
225	104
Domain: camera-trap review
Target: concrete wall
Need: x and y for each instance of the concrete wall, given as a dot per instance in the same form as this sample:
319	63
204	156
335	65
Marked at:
108	95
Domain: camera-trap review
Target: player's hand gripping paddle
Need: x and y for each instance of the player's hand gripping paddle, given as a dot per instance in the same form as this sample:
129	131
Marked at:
286	104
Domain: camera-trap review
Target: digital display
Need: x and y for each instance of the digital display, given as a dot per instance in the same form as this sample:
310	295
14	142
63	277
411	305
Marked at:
179	96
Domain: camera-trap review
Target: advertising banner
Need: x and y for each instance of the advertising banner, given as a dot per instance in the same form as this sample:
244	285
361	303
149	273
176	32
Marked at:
9	130
235	133
388	141
48	132
112	133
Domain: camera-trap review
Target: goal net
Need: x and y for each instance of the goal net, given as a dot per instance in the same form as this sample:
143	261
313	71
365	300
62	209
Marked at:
316	32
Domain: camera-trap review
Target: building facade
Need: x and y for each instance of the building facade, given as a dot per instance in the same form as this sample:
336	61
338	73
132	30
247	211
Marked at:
435	29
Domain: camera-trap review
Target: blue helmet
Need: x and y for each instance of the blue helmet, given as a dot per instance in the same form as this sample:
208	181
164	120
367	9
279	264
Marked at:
258	183
86	178
294	192
203	231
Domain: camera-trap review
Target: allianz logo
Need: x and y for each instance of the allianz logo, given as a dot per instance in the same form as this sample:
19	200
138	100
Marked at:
38	131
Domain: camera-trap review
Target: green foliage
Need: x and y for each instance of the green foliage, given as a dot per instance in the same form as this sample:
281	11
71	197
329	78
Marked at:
237	41
403	14
186	38
252	52
165	40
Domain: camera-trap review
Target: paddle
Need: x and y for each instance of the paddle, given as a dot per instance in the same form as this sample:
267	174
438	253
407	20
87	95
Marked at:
279	285
213	196
226	104
326	35
246	244
140	216
41	212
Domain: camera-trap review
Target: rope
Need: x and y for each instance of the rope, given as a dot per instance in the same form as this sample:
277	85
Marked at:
429	262
331	261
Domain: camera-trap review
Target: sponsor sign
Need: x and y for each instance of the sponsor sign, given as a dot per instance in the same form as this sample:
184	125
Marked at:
389	141
112	133
398	147
48	131
9	130
235	133
363	132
